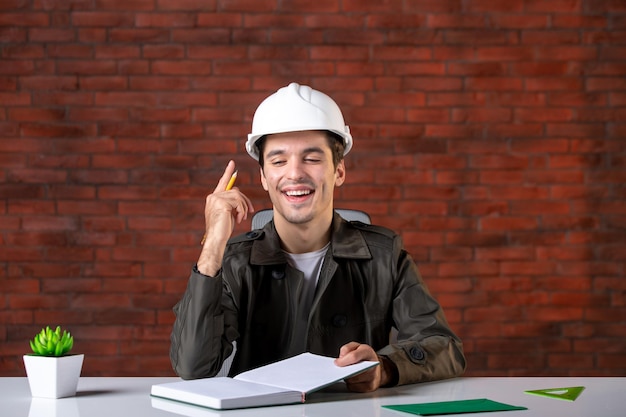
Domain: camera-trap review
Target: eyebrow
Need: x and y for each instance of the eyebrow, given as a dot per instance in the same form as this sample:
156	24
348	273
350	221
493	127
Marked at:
312	149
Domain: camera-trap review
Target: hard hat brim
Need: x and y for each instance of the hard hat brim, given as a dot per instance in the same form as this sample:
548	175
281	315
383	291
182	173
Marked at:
253	150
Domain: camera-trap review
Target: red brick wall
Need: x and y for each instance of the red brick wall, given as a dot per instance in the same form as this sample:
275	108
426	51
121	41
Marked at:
491	133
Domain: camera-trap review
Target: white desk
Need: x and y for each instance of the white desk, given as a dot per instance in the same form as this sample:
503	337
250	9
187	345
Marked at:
121	397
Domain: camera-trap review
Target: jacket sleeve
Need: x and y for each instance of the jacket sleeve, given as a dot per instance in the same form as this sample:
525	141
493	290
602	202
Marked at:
426	348
197	343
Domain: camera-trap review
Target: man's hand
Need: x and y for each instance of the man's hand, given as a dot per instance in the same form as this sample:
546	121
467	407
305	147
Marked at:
371	379
223	209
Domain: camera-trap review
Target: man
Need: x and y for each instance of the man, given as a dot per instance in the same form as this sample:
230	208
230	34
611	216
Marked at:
308	281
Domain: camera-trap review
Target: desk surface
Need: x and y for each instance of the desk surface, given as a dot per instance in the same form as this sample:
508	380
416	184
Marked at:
120	397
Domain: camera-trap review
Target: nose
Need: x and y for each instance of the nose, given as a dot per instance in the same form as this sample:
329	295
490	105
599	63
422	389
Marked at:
295	170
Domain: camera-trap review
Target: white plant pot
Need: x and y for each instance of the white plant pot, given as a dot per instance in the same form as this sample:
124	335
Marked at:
53	377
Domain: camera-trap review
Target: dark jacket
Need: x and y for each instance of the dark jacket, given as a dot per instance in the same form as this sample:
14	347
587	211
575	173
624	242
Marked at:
368	284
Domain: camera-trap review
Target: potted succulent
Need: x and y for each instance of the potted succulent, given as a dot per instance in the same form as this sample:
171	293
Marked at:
52	372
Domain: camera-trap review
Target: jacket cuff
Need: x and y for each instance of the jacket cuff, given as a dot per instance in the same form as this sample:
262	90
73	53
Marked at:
196	271
405	357
205	288
390	369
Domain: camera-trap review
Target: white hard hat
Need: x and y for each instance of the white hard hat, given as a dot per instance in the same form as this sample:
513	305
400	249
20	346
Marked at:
293	109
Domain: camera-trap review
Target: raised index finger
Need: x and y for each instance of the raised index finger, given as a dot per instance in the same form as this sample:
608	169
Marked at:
228	173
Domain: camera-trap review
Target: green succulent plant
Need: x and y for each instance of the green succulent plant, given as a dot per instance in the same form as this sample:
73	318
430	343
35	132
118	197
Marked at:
50	342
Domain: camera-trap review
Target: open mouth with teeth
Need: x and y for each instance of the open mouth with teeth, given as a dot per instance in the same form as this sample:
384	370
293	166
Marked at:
296	196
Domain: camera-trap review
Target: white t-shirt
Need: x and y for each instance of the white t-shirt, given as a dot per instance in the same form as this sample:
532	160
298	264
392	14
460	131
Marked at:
310	264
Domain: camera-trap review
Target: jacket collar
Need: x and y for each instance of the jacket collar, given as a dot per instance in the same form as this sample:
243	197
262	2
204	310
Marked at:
346	242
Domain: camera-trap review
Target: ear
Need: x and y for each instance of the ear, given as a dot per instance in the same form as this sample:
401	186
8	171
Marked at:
340	174
263	180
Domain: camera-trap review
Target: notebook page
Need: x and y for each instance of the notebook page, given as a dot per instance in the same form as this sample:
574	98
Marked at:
305	373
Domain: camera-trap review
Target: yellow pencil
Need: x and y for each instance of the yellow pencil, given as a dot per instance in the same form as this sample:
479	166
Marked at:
230	184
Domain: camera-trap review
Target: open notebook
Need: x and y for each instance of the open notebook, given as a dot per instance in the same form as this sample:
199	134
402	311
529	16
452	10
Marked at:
284	382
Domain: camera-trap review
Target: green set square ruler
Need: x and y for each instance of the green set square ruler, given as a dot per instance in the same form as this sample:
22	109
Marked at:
566	394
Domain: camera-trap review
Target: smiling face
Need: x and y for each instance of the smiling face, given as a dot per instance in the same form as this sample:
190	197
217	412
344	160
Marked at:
300	177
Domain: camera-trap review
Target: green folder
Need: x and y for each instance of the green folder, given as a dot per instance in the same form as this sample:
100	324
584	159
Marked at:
454	407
